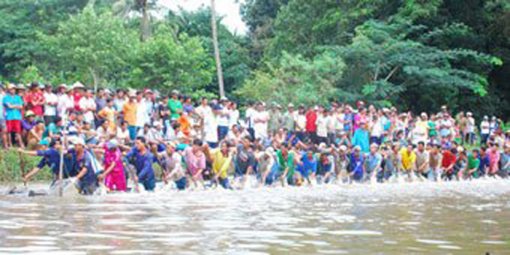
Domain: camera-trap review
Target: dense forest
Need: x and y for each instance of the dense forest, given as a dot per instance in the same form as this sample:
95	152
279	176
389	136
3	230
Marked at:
412	54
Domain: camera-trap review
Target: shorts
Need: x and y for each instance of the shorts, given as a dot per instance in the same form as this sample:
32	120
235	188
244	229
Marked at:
13	126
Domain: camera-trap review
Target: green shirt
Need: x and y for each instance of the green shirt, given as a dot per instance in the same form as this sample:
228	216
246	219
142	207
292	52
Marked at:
175	107
289	163
432	128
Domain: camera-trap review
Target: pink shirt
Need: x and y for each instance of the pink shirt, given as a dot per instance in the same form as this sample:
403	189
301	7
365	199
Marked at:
194	162
493	161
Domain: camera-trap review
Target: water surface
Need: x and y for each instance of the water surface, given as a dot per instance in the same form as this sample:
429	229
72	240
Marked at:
405	218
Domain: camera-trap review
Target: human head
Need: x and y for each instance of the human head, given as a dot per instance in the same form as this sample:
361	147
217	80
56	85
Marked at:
140	143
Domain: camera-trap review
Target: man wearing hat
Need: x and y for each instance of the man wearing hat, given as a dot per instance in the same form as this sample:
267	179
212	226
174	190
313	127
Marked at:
65	100
13	105
78	90
83	164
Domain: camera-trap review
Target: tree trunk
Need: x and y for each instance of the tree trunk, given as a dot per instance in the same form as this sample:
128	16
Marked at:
216	48
95	78
144	25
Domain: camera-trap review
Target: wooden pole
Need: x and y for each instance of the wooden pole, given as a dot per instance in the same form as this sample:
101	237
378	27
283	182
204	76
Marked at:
216	48
62	148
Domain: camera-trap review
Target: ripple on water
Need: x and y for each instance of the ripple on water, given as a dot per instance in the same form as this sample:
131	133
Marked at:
355	233
449	247
430	241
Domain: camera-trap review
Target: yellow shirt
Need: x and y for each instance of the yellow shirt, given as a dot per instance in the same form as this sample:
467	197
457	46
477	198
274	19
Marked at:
220	163
129	111
407	158
109	114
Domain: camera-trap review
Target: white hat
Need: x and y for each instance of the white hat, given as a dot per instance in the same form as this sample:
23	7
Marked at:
77	85
343	148
77	141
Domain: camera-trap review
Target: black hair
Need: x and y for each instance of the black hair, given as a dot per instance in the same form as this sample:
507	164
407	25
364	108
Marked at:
421	143
141	139
197	142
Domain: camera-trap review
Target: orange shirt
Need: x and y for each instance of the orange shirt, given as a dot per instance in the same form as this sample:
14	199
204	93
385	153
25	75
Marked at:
129	111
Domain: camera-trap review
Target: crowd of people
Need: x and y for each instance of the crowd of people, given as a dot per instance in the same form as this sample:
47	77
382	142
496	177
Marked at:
110	138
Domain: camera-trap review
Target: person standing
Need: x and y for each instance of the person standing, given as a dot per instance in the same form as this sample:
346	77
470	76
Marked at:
175	106
311	124
13	105
34	100
129	111
260	120
88	107
50	105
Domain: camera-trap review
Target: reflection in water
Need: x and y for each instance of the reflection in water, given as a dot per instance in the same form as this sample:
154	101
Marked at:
471	217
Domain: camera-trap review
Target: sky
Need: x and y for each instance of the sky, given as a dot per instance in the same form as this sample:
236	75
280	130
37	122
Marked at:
228	9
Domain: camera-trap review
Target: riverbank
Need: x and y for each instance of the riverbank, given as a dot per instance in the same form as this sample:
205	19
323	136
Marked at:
13	165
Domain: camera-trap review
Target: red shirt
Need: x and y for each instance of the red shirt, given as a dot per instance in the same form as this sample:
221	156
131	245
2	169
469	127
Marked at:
448	159
76	97
311	121
35	102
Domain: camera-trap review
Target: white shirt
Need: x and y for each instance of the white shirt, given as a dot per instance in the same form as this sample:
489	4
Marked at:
141	114
234	117
485	127
50	98
211	128
260	120
88	105
203	111
65	103
249	116
122	135
322	126
300	122
223	119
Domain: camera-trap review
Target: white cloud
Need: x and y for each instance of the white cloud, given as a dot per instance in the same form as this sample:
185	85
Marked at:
228	9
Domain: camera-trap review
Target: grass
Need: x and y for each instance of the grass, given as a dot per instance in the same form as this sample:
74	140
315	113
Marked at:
11	164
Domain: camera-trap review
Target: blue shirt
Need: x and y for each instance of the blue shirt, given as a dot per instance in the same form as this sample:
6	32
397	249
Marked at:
2	113
76	165
143	164
361	139
12	113
309	165
51	158
356	166
373	161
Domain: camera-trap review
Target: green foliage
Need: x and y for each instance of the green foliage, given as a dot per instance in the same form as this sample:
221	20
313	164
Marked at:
164	63
90	47
296	79
31	74
234	56
10	171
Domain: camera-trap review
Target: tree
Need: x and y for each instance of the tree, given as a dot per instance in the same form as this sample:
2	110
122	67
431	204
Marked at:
21	21
295	79
385	67
235	59
91	47
164	63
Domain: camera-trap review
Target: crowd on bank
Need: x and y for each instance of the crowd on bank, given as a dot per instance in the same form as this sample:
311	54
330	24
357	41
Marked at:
112	137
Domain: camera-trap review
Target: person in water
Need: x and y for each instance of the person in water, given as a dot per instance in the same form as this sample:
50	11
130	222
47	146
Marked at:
142	161
50	158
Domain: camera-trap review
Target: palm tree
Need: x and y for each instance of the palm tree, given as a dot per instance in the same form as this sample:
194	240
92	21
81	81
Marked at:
216	48
123	8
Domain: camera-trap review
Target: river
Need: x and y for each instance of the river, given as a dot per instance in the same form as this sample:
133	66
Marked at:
407	218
